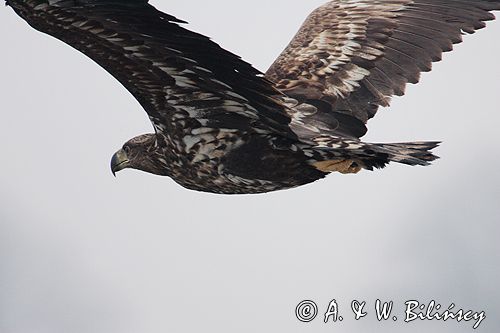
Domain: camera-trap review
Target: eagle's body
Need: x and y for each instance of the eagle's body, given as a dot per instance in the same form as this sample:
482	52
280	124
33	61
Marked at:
222	127
232	162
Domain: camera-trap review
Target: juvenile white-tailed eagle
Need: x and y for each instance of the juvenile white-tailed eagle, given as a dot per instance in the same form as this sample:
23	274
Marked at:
221	126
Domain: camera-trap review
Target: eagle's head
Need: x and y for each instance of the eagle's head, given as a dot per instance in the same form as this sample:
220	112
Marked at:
141	153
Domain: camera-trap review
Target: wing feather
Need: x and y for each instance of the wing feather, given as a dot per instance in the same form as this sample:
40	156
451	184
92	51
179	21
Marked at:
181	78
357	54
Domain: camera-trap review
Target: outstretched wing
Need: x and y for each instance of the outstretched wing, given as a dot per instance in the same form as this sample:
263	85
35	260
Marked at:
356	54
181	78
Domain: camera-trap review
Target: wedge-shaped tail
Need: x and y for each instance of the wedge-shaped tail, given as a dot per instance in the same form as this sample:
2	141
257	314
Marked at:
352	156
411	153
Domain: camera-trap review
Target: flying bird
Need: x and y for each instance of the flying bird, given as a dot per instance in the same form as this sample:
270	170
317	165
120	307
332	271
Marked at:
222	126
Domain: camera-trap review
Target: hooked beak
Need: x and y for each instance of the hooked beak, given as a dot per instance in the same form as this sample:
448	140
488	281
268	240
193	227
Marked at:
119	161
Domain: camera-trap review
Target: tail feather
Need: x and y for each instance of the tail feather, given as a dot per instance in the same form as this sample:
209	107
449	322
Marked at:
370	155
411	153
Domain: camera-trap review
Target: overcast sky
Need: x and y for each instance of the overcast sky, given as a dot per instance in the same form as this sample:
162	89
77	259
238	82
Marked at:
83	252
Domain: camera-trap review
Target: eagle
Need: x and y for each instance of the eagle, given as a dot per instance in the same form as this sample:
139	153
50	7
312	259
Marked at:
222	126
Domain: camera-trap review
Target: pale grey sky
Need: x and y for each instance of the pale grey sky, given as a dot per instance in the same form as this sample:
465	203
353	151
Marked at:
83	252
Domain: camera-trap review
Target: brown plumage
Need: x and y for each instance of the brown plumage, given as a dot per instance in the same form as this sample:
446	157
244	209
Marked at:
223	127
356	54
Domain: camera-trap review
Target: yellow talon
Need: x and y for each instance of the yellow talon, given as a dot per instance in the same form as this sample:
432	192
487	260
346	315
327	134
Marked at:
342	166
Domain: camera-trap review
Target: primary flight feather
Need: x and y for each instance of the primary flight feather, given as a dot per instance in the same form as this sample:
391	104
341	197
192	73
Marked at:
223	127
